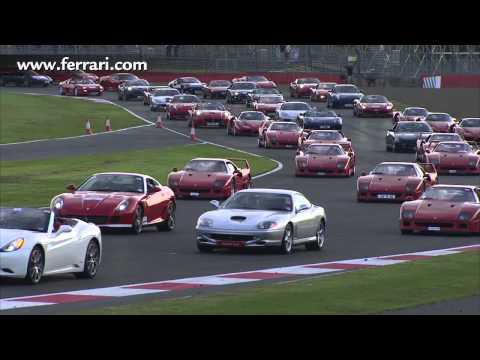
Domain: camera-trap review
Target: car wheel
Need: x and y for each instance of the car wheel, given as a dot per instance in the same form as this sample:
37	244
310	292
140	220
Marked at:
36	264
204	248
169	224
137	224
92	260
287	241
75	92
320	237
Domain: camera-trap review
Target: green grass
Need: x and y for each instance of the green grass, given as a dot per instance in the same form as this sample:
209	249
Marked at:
35	182
31	117
369	291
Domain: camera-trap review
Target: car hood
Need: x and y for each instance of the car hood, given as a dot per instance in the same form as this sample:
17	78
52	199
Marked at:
243	219
410	136
292	114
7	235
446	210
218	88
325	160
84	201
391	183
283	135
197	178
452	159
162	98
349	95
471	130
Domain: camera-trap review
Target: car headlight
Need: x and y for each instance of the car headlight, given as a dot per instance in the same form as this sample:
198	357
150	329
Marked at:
218	184
265	225
122	206
235	94
341	165
204	222
173	182
464	216
408	214
363	187
14	245
57	203
129	88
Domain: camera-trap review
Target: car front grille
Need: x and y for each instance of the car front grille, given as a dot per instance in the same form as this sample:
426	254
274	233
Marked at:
93	219
197	190
230	237
441	224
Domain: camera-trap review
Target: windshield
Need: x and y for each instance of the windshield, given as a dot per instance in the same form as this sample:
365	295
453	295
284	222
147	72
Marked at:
471	122
256	78
166	92
185	99
289	127
325	150
374	99
413	127
270	99
82	81
326	86
114	183
320	114
438	117
126	76
251	115
449	194
266	91
243	86
206	166
325	135
394	170
190	80
220	83
445	137
415	112
259	201
210	106
24	219
453	148
308	81
348	89
295	106
137	83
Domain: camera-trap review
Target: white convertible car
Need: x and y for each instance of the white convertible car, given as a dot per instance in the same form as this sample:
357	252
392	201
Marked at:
36	242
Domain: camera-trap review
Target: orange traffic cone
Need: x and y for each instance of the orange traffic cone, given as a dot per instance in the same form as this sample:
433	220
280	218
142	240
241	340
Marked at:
108	125
159	122
88	128
193	137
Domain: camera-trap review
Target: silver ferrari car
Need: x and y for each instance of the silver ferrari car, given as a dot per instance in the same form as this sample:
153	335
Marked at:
256	218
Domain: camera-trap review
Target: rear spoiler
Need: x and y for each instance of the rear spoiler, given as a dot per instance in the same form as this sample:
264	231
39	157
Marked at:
238	160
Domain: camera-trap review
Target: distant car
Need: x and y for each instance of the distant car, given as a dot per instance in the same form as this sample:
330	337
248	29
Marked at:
247	123
303	87
80	74
280	134
119	200
343	96
431	141
147	93
260	81
441	122
180	106
189	85
133	89
80	87
36	243
24	78
111	82
209	115
268	104
238	92
320	93
443	209
320	120
410	114
325	160
405	134
158	99
255	94
396	181
469	129
258	218
216	89
290	111
372	105
455	157
324	137
210	178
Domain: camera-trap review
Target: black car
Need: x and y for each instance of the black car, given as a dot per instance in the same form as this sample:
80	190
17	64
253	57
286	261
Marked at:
187	85
24	78
256	93
133	89
320	120
404	135
238	92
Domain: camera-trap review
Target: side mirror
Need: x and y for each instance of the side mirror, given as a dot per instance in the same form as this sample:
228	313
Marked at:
155	189
64	229
71	187
215	203
238	173
363	173
301	208
174	169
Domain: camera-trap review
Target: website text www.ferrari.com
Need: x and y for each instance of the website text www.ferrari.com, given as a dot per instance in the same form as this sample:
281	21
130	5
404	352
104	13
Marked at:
69	65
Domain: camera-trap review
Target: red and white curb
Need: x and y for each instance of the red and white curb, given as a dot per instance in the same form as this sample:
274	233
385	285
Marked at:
222	279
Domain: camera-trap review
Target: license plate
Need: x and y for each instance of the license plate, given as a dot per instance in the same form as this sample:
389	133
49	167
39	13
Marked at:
321	173
385	196
324	126
433	228
452	171
194	194
230	243
348	105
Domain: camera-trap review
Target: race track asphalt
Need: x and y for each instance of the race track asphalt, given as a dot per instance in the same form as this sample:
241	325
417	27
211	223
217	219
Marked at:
355	230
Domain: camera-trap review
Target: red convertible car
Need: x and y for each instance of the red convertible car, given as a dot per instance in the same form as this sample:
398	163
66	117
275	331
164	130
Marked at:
260	81
268	104
208	178
111	82
209	115
469	129
410	114
320	92
180	106
325	160
119	200
80	74
303	87
79	87
455	157
323	137
279	134
396	181
441	122
443	209
216	89
372	105
247	123
428	143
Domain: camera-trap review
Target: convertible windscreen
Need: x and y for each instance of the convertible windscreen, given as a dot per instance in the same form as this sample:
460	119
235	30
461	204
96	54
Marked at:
308	81
243	86
471	123
325	86
320	114
327	135
114	183
284	127
449	194
438	117
249	116
126	77
445	137
256	78
220	83
295	106
165	93
186	99
377	99
137	83
453	148
270	100
413	127
266	91
83	82
346	89
211	106
190	80
415	112
325	150
206	166
259	201
24	219
394	170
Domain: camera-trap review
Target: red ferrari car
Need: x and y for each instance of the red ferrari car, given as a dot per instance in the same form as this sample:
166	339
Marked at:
469	129
455	157
80	74
303	87
209	115
111	82
372	105
325	160
320	92
210	178
410	114
441	122
260	81
216	89
181	106
323	137
79	87
268	104
247	123
396	181
428	143
119	200
279	134
443	209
